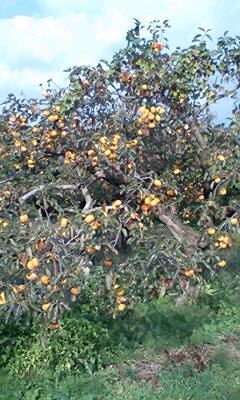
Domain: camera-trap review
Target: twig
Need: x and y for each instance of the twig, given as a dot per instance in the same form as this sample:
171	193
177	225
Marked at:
117	237
101	209
220	96
74	237
7	180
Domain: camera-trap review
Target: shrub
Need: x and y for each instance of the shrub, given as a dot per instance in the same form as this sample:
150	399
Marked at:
83	342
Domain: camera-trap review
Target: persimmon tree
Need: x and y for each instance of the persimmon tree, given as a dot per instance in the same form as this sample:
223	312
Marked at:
123	180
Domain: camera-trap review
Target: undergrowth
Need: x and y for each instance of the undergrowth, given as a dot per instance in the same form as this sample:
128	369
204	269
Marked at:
79	360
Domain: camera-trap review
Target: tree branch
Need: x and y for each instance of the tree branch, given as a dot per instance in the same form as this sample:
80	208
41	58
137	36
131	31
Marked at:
195	129
7	180
88	199
106	208
32	192
219	97
89	202
190	238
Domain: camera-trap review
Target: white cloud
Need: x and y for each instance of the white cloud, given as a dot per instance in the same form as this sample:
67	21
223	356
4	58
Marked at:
31	79
43	39
77	32
36	49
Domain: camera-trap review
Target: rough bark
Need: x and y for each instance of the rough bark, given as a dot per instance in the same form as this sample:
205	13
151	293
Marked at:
201	142
190	238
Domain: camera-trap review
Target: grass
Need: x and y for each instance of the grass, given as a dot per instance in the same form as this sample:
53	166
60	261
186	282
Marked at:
204	364
219	381
157	352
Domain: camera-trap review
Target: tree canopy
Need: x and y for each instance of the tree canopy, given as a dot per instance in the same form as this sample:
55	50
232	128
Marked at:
123	180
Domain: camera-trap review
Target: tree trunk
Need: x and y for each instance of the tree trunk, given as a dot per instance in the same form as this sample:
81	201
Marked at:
190	238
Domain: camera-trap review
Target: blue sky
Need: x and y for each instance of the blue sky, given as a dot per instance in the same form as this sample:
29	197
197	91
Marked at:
40	38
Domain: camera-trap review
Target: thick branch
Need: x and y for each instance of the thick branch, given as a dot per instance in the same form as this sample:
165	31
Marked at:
202	142
186	235
88	199
89	202
32	192
40	188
